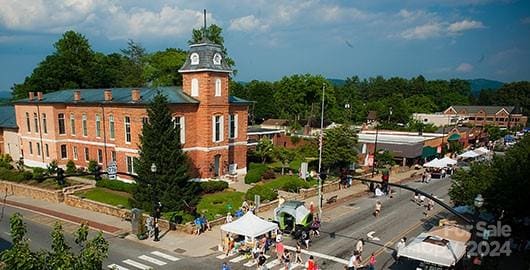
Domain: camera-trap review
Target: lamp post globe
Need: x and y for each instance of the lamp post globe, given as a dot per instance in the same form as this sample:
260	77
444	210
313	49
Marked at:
153	168
479	201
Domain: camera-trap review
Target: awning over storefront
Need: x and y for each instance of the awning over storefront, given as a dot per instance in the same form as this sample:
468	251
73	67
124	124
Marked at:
454	137
428	152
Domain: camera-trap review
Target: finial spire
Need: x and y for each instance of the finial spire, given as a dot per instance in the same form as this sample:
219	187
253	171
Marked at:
204	35
204	16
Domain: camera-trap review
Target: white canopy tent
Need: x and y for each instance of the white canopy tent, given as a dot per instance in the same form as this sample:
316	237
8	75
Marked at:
435	163
482	150
433	249
448	161
469	154
249	225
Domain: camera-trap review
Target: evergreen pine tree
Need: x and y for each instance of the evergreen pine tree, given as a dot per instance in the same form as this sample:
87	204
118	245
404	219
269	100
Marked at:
160	144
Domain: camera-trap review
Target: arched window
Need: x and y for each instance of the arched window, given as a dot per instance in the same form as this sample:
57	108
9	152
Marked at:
217	59
194	87
217	87
194	58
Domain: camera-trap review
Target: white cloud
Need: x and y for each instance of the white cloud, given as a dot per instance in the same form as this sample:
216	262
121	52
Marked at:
425	31
464	68
247	24
464	25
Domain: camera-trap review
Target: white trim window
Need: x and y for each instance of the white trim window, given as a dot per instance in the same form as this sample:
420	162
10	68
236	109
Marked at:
84	124
112	130
30	148
44	124
194	87
113	155
100	156
64	152
217	128
194	57
47	148
98	125
129	161
233	125
62	127
28	125
87	154
127	129
36	122
179	124
217	87
74	150
72	124
38	149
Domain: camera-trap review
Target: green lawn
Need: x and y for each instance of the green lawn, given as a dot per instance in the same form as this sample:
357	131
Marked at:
106	196
216	204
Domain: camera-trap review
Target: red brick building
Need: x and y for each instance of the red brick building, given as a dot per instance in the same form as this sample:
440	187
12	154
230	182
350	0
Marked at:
501	116
104	124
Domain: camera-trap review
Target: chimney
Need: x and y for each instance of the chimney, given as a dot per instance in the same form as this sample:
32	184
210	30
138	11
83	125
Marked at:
135	95
31	96
39	96
77	95
108	95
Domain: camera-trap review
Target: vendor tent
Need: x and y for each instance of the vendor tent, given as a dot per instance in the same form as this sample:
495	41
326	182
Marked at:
431	248
448	161
482	150
469	154
435	163
249	225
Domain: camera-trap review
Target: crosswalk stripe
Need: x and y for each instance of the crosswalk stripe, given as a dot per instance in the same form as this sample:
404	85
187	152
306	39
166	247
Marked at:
165	256
250	263
116	267
273	263
222	257
151	260
295	265
238	258
137	264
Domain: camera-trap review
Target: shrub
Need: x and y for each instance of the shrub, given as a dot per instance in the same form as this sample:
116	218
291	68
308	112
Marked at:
213	186
52	167
268	191
179	217
15	176
268	174
39	174
92	166
116	185
70	167
5	161
265	192
255	172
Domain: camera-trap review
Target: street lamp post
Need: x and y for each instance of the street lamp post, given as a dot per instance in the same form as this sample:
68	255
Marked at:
320	152
153	187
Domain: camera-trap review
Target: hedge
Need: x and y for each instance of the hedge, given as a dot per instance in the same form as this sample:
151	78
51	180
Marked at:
15	176
213	186
255	172
116	185
268	191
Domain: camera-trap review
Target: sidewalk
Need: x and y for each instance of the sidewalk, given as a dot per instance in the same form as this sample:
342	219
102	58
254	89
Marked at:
181	243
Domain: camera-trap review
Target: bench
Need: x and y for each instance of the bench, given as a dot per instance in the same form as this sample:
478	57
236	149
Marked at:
331	199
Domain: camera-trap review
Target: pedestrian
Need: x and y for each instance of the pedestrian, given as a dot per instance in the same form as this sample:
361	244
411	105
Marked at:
377	208
205	223
416	198
359	246
228	218
225	266
443	173
298	254
305	239
400	245
423	176
280	249
352	263
311	265
157	232
286	260
198	225
315	226
226	242
311	207
261	260
372	262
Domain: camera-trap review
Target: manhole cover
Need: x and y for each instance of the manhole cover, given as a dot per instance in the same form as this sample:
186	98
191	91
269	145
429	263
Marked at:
179	250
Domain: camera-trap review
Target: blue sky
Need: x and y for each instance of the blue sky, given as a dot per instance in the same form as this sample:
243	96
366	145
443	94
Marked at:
269	39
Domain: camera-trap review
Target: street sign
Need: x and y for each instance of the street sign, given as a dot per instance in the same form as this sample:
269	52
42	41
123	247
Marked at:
303	170
257	200
112	170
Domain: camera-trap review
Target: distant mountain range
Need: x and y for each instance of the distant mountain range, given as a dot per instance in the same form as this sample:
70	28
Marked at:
5	95
479	84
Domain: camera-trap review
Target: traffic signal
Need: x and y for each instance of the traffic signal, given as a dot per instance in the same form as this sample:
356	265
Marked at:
97	173
60	177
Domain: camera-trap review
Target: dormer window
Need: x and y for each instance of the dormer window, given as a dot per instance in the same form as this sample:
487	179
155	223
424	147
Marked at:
194	58
217	59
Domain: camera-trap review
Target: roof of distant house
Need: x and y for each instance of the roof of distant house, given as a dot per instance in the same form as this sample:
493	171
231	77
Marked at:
7	117
276	122
175	95
487	109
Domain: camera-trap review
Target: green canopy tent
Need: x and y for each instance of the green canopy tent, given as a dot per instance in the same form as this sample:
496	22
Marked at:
454	137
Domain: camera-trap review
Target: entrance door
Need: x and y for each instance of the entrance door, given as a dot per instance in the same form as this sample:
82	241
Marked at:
216	165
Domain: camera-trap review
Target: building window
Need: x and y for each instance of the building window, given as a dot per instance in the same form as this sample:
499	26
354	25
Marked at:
100	156
113	155
87	154
480	119
111	127
471	118
145	121
194	57
84	125
217	59
127	129
217	122
489	119
76	155
194	87
64	154
44	124
36	122
47	149
233	126
217	87
30	148
38	149
72	124
130	164
180	126
28	126
62	129
98	126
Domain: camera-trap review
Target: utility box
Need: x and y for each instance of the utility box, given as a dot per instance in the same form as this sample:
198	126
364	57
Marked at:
137	221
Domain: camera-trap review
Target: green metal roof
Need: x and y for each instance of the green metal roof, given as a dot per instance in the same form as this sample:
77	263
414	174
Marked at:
428	152
119	96
8	117
454	137
240	101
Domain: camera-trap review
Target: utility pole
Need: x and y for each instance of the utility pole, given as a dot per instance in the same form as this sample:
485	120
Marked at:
320	152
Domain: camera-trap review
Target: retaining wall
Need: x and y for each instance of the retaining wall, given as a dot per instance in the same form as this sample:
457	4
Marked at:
36	193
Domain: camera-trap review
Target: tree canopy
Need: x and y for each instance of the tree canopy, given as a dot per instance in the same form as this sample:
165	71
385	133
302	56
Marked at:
339	147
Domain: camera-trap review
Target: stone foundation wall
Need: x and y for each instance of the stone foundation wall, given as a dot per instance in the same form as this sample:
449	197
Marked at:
36	193
78	202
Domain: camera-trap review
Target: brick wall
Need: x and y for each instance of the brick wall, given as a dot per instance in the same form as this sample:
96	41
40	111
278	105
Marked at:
15	189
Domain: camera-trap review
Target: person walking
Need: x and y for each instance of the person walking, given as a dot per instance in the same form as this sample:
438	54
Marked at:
286	258
157	231
280	249
311	265
378	206
228	218
359	246
225	266
372	262
400	245
353	262
298	254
